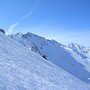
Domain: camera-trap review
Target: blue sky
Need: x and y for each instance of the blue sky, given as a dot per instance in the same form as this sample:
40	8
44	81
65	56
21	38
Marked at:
63	20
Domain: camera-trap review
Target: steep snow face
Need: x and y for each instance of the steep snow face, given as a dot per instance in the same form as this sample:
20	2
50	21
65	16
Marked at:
22	69
81	54
83	58
64	57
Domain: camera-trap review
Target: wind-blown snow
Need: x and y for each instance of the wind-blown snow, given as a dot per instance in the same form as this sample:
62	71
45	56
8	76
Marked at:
74	59
22	69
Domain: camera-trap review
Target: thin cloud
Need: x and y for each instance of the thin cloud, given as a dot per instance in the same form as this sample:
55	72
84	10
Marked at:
11	28
33	10
29	14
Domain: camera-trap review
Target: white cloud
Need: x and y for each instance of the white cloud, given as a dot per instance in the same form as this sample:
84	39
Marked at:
11	28
33	9
29	14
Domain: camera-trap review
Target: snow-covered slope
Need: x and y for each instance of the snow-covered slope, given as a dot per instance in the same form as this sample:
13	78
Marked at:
81	54
21	69
64	57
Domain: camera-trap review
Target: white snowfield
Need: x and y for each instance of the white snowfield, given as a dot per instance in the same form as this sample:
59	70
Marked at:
74	59
22	69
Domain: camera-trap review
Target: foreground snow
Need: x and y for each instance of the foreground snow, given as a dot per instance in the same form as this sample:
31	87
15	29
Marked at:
21	69
73	58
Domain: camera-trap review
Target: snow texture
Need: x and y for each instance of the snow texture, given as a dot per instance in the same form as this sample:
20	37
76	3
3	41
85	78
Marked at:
22	69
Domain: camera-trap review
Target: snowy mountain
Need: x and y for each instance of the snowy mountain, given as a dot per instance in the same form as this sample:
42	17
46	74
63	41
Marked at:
22	69
74	59
78	48
83	51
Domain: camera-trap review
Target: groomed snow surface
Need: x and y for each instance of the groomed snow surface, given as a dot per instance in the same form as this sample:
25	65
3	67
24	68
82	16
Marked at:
22	69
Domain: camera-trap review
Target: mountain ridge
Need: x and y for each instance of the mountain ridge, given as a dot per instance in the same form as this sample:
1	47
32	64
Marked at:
75	62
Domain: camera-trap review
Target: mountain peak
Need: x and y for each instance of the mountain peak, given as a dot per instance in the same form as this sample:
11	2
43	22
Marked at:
77	47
